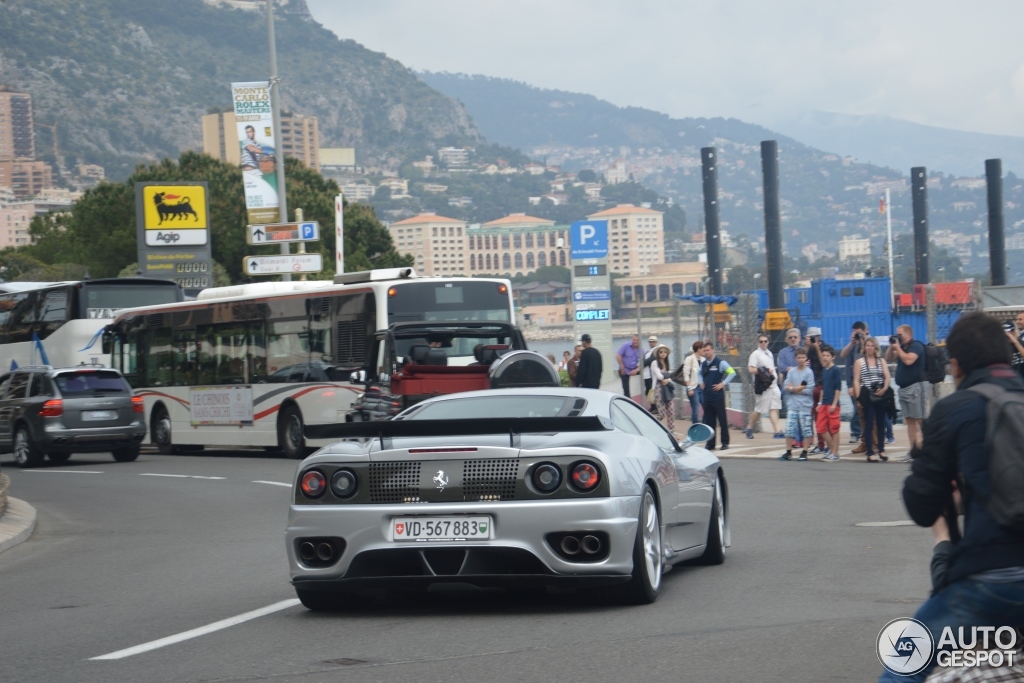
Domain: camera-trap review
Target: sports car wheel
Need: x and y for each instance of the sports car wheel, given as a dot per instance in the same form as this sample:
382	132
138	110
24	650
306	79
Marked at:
643	588
161	431
715	551
289	434
25	452
320	601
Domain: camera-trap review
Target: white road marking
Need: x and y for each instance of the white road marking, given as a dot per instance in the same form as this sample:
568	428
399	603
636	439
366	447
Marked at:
902	522
202	477
201	631
176	476
64	471
273	483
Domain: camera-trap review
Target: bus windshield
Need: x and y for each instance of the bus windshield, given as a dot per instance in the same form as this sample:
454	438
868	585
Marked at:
105	300
449	301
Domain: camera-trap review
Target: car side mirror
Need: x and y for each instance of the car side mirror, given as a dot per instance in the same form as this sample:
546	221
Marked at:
697	433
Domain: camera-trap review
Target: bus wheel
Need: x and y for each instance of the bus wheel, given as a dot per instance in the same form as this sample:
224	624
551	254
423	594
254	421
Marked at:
161	430
289	433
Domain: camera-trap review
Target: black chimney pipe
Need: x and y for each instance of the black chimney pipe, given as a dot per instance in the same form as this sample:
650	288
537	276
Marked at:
996	237
708	163
772	223
919	191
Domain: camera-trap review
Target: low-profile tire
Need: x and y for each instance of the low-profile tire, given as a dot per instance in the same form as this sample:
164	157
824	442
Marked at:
714	553
160	429
129	454
290	438
58	457
322	601
645	583
26	454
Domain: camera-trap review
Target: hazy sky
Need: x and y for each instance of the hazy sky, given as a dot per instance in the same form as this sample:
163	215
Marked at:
956	64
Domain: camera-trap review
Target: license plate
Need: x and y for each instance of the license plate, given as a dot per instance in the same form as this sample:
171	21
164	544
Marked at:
98	415
455	528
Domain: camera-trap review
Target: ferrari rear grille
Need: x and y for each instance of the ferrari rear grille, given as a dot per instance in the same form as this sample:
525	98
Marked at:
394	482
490	479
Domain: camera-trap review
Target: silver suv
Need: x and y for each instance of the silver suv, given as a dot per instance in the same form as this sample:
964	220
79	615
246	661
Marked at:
54	412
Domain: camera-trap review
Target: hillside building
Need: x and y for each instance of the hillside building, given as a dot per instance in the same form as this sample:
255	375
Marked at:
19	169
26	177
437	243
854	249
300	138
453	157
636	238
663	283
340	158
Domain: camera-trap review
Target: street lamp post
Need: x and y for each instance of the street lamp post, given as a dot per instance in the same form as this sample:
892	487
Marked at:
275	109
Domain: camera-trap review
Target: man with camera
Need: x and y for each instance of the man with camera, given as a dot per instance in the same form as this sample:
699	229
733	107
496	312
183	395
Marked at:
1015	333
983	584
908	353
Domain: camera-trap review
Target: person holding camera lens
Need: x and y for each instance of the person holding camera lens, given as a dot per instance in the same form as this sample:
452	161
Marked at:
1015	333
911	379
871	381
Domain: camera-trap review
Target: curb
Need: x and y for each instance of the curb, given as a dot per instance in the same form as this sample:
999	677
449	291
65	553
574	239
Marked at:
17	524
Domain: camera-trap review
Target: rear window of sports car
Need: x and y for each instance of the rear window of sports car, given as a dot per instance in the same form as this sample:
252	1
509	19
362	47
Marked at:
499	406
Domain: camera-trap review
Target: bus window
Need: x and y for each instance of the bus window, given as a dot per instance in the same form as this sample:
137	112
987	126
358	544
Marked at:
257	353
129	355
462	300
320	340
22	319
287	344
103	300
230	353
54	312
185	358
159	358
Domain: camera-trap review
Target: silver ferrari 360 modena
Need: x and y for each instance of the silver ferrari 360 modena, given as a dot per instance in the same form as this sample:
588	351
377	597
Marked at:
515	487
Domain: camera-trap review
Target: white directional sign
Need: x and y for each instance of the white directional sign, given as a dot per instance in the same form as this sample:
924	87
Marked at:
285	264
283	233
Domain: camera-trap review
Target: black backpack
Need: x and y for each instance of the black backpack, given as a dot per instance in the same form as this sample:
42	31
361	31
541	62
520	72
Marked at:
936	359
763	380
1004	441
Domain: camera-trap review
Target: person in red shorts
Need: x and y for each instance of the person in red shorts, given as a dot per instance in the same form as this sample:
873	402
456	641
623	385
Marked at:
827	419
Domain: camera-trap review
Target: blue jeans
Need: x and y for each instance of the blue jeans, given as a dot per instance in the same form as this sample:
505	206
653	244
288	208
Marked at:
855	424
695	402
888	426
966	603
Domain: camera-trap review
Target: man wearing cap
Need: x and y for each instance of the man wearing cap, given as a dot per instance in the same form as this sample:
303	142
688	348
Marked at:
628	358
588	374
648	359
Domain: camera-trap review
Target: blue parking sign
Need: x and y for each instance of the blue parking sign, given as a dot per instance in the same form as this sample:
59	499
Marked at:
588	239
308	231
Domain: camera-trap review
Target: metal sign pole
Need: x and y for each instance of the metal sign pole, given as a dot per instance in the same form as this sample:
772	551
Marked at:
275	106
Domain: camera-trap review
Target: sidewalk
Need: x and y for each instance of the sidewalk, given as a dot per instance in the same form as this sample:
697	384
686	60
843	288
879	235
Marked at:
17	523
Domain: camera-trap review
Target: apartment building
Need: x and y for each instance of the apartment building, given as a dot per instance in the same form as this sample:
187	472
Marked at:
27	178
437	243
17	137
300	138
636	237
664	282
517	244
854	249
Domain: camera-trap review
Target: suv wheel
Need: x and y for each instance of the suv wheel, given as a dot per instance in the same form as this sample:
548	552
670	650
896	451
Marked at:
126	454
161	430
25	452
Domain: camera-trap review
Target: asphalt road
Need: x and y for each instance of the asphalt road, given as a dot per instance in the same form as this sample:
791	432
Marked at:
121	558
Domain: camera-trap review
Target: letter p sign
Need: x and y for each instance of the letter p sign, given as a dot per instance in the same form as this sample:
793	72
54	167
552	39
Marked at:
589	239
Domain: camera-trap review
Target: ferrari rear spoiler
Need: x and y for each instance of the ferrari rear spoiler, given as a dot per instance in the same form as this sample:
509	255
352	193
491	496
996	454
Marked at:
392	429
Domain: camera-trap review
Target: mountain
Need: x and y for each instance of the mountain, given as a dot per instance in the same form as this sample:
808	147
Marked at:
824	195
128	81
902	144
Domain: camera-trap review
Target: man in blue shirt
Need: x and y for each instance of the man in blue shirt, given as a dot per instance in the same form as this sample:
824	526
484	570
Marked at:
787	356
799	386
628	358
715	373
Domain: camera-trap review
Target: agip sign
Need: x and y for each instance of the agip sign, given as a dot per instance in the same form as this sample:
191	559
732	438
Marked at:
173	229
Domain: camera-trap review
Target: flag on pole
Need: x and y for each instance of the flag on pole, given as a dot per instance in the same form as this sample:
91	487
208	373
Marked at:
881	205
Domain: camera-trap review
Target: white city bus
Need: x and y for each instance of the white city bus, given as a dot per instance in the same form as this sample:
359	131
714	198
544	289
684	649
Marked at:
251	365
60	323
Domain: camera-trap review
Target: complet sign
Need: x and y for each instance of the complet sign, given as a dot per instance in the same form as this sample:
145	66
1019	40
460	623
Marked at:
285	264
173	231
281	233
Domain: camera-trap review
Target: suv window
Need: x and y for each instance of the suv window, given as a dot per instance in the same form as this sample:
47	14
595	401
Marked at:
16	389
647	425
4	381
40	385
88	382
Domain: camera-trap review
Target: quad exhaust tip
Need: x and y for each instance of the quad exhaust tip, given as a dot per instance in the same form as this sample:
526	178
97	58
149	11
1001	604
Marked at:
307	552
324	552
570	545
591	545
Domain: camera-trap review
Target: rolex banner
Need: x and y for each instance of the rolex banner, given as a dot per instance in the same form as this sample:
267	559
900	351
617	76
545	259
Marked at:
259	157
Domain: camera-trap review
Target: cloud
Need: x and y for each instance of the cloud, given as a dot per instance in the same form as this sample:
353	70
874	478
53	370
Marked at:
941	63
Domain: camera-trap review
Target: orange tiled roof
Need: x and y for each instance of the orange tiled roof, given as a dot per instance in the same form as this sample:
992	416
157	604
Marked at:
427	218
517	218
622	209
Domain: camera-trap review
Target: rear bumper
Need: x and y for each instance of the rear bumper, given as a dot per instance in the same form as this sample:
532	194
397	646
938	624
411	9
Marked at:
517	554
91	439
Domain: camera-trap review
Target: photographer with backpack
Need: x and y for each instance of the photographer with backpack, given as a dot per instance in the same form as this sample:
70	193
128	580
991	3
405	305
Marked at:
974	437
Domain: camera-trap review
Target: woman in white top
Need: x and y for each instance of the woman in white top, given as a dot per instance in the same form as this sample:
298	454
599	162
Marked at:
870	382
691	378
664	392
